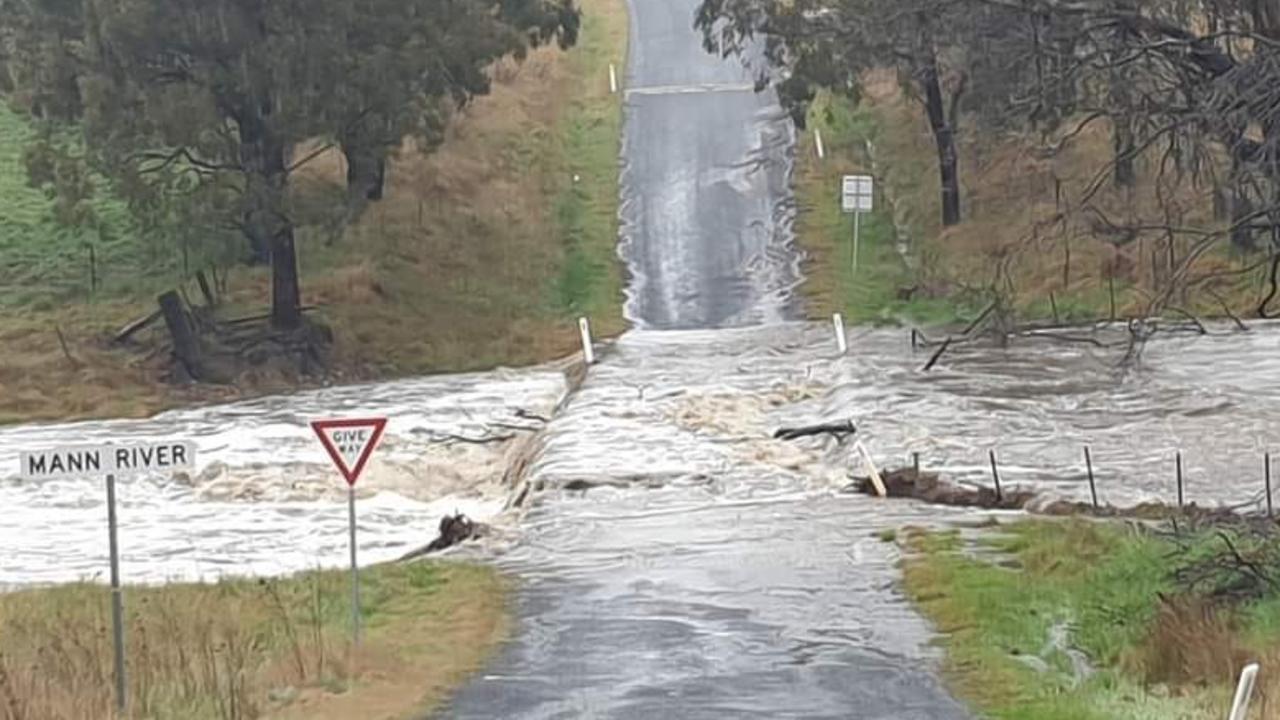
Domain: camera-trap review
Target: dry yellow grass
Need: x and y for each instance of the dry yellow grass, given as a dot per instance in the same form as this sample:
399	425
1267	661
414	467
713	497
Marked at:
481	254
1023	210
247	649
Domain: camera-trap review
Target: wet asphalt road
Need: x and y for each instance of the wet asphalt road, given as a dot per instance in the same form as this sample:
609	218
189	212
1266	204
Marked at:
706	208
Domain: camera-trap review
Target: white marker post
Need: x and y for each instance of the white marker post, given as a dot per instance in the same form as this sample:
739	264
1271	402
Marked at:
876	480
838	322
856	196
613	79
110	461
349	444
588	352
1244	692
817	141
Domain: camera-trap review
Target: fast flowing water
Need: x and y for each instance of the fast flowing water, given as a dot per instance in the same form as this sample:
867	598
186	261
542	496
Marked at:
265	499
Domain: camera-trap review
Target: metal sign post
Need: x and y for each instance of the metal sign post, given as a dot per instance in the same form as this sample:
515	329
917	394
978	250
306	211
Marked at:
349	444
857	194
109	460
355	572
117	596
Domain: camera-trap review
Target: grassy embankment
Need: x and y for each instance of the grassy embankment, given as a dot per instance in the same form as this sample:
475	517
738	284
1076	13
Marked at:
482	254
1021	212
1099	588
244	649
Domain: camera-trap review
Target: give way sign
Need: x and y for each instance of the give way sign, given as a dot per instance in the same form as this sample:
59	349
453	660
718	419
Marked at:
350	443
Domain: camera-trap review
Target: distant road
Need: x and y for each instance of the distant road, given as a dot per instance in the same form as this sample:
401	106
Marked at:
707	211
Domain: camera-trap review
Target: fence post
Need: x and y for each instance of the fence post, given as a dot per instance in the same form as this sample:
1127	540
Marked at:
995	475
1267	473
1093	489
1179	470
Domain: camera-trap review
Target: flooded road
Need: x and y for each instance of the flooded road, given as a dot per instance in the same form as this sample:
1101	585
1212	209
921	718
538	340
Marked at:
681	561
686	564
676	560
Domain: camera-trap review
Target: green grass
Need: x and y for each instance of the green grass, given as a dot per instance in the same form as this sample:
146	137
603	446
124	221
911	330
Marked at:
42	262
247	648
1100	581
876	292
586	211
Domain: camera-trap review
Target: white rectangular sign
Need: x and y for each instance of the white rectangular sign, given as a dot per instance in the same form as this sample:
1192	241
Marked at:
857	193
97	460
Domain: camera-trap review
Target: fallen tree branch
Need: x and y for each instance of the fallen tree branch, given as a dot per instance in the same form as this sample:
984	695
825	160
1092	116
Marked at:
477	441
937	354
266	316
134	327
978	320
839	430
62	340
1227	309
1194	320
1067	338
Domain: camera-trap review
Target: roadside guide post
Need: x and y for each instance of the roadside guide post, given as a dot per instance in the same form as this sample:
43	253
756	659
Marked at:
349	444
856	196
109	461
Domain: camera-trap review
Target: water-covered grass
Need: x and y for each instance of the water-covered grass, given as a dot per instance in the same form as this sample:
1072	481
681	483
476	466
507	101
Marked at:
1015	606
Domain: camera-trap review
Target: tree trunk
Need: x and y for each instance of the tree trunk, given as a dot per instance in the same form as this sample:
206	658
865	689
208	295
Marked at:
943	137
1123	147
267	223
186	346
1119	93
286	295
366	172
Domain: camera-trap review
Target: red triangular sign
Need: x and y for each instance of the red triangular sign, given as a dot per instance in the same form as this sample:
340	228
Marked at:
350	443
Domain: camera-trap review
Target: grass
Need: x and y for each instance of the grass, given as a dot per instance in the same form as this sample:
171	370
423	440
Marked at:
590	280
43	264
246	649
883	289
999	603
1022	214
481	254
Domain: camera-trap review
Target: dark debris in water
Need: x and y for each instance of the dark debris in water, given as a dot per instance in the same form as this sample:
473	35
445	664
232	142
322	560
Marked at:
454	529
931	488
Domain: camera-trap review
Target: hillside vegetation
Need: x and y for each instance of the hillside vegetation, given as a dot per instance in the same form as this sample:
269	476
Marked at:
1023	240
1064	161
481	253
